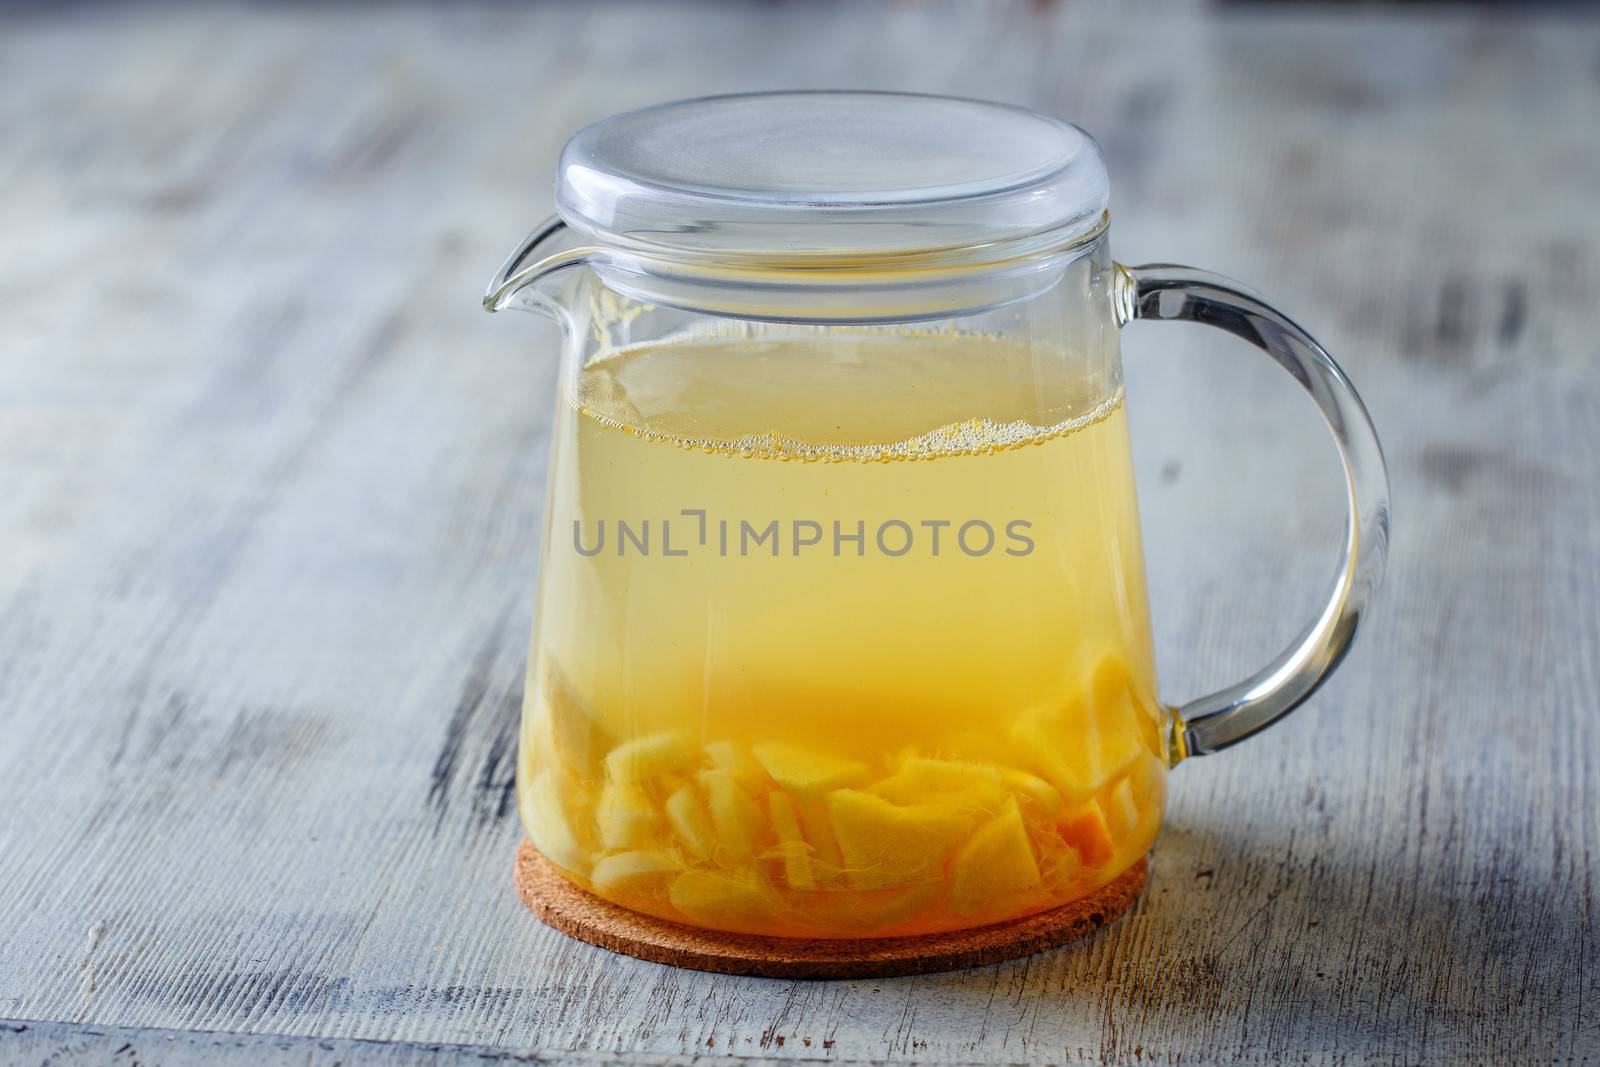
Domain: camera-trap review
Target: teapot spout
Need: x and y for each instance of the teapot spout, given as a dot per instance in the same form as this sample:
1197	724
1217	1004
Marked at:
522	273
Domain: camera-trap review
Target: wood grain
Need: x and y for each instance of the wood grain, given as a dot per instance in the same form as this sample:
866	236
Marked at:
271	487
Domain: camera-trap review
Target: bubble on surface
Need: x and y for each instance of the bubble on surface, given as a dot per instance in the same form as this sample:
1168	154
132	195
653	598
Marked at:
972	437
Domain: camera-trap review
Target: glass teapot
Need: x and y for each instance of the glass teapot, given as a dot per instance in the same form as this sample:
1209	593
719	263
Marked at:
842	628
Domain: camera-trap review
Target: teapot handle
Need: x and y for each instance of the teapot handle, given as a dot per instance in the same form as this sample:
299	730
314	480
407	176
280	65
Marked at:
1164	291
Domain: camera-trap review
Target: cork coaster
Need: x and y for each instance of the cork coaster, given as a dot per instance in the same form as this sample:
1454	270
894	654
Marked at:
586	917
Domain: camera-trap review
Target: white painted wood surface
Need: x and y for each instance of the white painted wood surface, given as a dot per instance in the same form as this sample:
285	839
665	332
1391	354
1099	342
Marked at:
269	488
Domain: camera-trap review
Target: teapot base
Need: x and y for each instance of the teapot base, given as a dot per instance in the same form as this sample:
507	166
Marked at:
577	913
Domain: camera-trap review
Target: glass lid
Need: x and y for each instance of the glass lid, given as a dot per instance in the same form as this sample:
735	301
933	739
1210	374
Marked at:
830	177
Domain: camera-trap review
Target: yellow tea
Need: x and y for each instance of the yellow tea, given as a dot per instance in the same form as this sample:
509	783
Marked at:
841	638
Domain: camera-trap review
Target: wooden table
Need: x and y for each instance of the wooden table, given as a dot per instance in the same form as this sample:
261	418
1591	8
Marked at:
271	488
